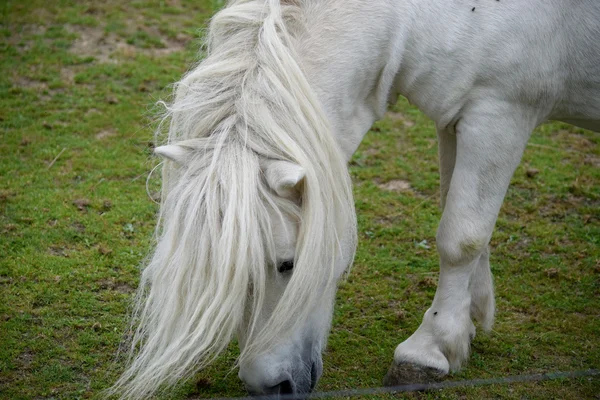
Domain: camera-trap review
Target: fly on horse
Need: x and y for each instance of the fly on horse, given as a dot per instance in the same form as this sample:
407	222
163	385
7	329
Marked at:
257	223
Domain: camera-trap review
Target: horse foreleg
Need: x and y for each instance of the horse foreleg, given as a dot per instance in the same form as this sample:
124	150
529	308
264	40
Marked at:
487	151
481	288
481	285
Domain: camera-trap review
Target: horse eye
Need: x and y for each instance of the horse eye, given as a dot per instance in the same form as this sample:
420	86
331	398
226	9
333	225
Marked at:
286	266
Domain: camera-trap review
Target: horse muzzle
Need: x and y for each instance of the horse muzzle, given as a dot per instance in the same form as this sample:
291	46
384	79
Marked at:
288	381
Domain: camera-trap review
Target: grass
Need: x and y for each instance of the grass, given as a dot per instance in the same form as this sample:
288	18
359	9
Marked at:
78	82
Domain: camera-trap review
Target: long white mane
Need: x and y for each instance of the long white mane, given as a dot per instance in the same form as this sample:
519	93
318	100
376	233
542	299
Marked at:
247	101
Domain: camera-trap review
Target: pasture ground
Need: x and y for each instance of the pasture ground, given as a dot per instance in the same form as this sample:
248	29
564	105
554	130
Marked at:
77	88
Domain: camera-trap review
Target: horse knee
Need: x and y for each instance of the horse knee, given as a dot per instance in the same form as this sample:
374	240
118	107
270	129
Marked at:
458	246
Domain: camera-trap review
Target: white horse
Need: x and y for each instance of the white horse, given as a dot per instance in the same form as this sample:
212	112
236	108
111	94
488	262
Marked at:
257	222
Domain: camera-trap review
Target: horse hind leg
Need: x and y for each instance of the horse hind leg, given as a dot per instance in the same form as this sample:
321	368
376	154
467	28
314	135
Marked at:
488	152
481	288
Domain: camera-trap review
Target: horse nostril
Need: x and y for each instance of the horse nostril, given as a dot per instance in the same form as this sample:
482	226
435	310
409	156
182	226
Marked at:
284	387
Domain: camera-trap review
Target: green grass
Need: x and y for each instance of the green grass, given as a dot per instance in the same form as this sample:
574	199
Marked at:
78	83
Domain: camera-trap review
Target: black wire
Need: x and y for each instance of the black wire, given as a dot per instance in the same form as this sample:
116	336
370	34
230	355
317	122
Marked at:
426	386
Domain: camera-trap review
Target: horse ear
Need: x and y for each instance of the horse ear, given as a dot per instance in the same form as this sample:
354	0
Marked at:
284	177
173	152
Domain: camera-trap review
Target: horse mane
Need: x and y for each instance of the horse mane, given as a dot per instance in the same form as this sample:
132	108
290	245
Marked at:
247	101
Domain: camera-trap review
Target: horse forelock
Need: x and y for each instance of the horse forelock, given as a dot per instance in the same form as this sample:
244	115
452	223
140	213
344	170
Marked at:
247	101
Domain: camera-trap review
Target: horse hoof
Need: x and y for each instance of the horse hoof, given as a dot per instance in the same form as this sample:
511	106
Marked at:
407	373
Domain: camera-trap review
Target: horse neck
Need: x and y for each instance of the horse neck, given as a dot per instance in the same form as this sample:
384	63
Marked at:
351	54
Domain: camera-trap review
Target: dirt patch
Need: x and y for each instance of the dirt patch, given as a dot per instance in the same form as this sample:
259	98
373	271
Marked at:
67	75
397	185
106	133
427	282
26	358
78	227
58	251
371	152
532	172
82	204
92	111
111	284
591	159
43	91
108	47
26	83
93	42
390	220
22	38
552	273
399	117
105	251
9	228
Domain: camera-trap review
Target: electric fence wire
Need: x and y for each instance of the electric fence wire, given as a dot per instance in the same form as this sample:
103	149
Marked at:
427	386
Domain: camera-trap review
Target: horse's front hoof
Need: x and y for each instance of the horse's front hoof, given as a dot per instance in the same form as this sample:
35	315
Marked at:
407	373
